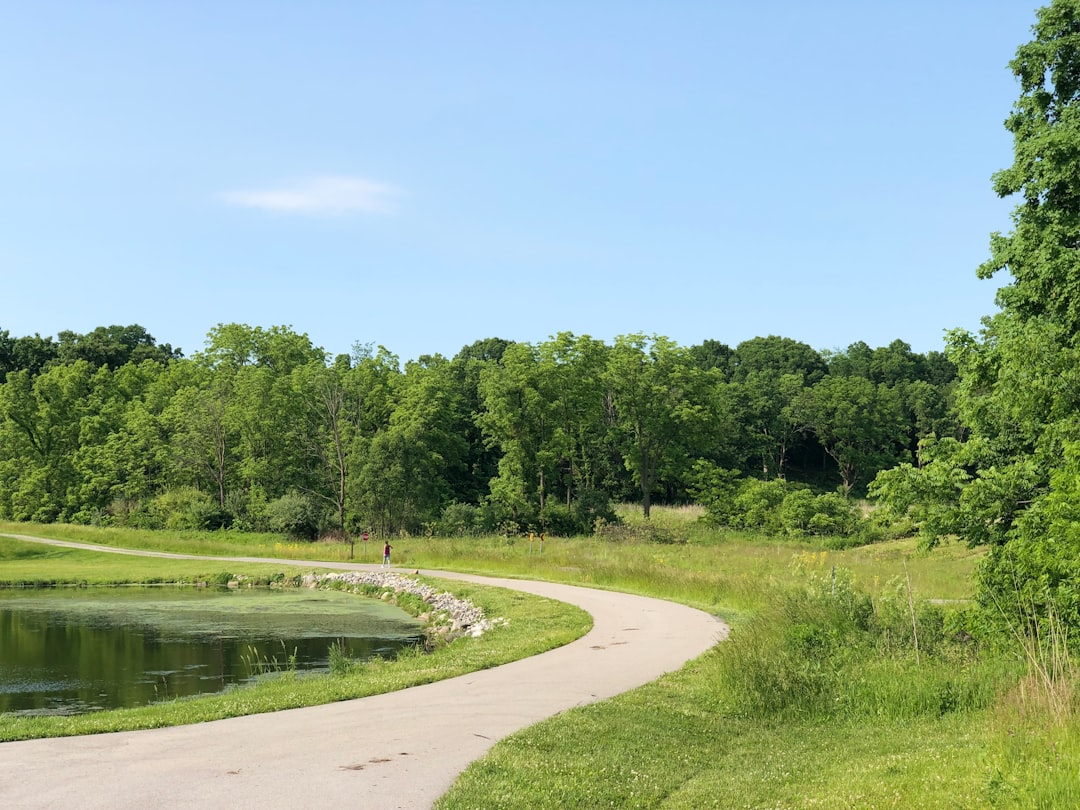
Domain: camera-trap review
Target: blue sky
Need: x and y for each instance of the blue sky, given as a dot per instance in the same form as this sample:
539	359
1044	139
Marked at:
422	175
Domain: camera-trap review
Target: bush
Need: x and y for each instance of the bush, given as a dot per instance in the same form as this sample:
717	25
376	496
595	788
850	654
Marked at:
830	514
185	509
715	489
458	520
592	505
247	507
757	504
559	520
797	510
129	512
293	514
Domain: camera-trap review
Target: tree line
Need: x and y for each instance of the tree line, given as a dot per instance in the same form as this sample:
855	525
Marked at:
262	430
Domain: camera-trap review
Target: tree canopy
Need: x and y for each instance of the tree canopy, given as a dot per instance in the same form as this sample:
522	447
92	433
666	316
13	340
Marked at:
1009	483
263	429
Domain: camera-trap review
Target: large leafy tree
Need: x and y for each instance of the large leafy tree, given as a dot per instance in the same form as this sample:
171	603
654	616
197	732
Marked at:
1041	253
517	419
403	482
1019	386
573	368
657	396
30	354
1019	389
204	440
113	346
923	383
327	430
42	419
119	457
545	409
777	356
768	374
247	416
482	461
859	425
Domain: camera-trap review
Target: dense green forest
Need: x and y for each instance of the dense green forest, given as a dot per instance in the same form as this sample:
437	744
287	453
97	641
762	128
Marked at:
264	431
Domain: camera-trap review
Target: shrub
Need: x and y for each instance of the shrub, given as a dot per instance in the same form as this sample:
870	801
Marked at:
458	520
715	489
591	505
185	509
797	511
830	514
757	504
129	512
293	514
834	514
558	519
247	508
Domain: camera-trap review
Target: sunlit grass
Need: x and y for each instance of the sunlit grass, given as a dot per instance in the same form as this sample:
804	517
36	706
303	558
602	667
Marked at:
935	733
535	625
718	571
32	564
672	744
216	543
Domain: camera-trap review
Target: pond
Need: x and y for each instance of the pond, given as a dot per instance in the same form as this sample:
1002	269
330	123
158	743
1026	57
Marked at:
77	650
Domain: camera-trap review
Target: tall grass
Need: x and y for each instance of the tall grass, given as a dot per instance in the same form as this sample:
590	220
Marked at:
828	651
816	700
1036	747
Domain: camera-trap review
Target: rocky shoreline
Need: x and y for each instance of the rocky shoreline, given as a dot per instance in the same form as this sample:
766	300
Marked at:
449	617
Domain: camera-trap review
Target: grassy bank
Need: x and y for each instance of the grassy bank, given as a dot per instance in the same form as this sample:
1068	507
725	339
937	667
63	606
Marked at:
851	680
535	625
822	698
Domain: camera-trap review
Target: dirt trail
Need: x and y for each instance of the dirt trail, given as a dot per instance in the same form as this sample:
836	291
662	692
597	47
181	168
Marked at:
399	750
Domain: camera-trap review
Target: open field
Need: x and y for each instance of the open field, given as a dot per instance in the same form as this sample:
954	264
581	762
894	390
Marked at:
820	699
720	572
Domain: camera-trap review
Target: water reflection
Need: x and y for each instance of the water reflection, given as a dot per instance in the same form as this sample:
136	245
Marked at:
78	650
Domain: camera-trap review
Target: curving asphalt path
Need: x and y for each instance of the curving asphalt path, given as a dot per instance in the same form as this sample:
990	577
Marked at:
399	750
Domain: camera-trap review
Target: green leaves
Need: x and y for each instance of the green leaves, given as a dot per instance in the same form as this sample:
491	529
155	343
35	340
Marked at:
860	425
531	437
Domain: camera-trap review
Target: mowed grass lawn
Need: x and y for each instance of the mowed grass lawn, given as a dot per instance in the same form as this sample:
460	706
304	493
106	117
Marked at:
790	713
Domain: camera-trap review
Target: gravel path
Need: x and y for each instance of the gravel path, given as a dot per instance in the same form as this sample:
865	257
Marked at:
399	750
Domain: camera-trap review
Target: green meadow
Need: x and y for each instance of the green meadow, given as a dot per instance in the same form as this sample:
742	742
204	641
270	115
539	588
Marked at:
862	677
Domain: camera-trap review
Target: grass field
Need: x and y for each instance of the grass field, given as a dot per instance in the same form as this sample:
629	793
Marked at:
535	625
822	698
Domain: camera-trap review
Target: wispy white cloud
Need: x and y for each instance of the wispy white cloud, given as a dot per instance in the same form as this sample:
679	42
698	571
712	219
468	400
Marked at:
323	195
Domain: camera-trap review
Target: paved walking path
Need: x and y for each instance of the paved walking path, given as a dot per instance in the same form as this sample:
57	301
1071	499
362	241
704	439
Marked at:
399	750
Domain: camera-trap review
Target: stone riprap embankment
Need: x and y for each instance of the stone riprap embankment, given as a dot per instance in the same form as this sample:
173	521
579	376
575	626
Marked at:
449	617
